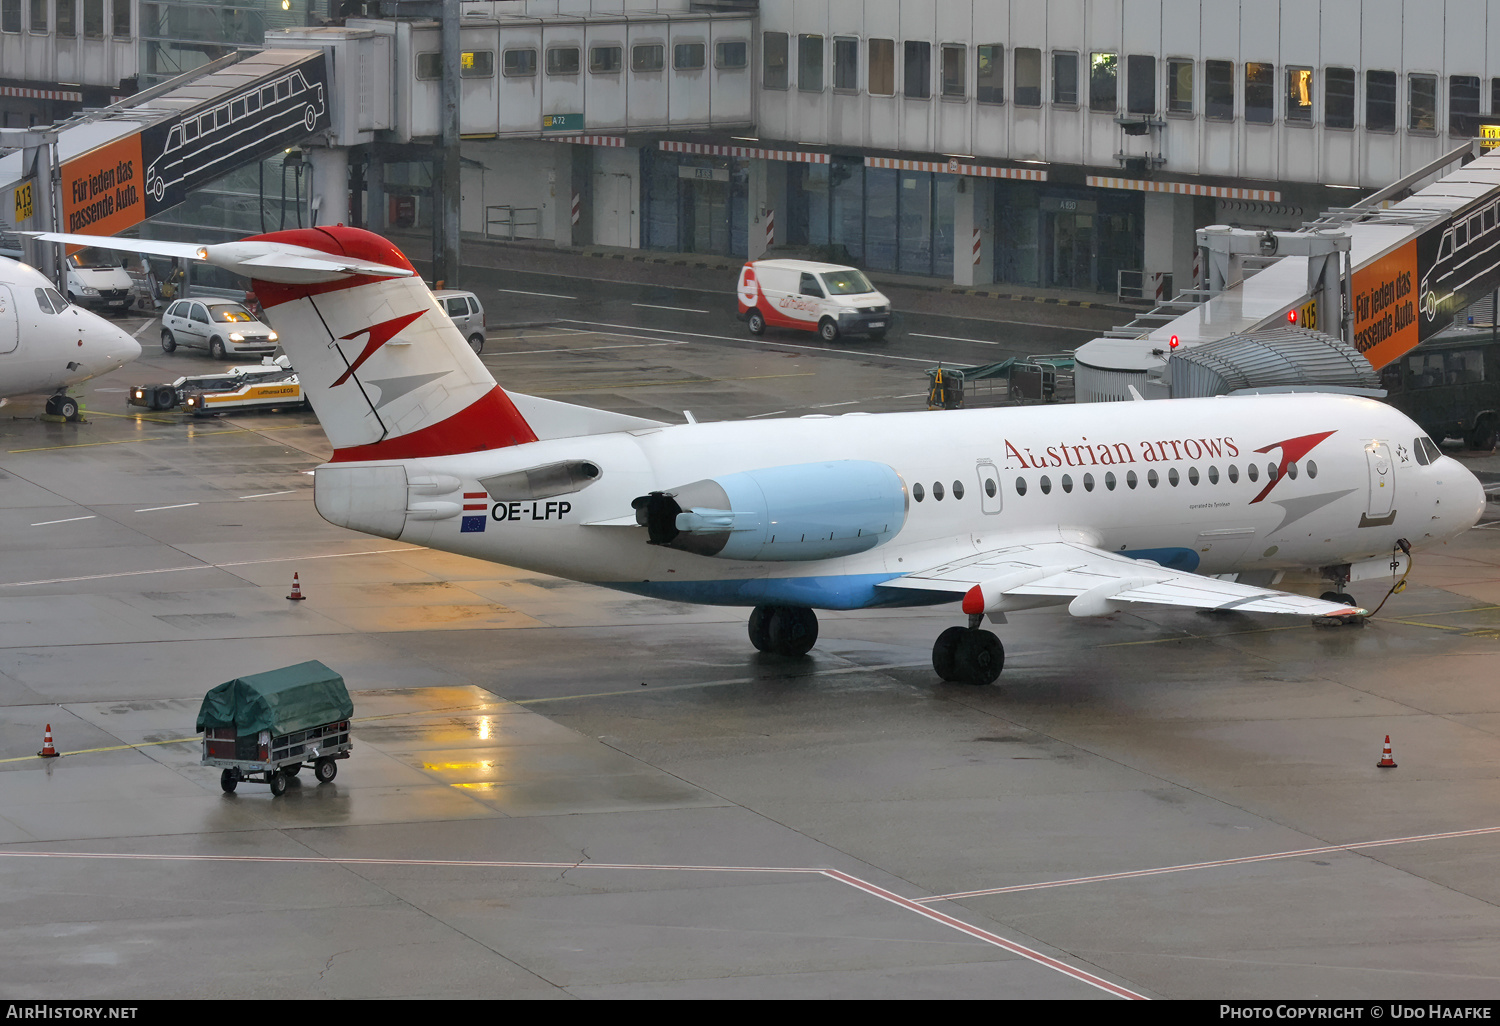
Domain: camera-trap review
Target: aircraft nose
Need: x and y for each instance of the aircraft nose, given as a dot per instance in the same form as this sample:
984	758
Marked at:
120	348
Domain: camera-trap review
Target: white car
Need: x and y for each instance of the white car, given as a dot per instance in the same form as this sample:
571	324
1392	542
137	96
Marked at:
222	326
467	313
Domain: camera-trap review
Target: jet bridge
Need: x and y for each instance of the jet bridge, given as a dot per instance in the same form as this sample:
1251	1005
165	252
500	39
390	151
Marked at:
104	171
1412	266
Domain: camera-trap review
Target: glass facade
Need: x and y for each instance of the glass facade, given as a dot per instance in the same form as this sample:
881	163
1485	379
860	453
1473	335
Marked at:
883	219
694	204
179	35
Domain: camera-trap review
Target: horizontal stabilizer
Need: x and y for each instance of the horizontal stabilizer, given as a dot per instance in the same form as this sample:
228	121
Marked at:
552	419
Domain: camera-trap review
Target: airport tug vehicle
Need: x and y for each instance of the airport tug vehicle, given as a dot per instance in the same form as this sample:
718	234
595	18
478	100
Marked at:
267	726
270	385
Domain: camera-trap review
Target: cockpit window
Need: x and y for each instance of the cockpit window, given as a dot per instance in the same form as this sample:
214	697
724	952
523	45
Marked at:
43	302
1426	450
58	302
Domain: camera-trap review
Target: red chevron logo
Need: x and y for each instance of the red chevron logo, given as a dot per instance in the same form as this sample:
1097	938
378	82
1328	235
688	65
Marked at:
380	334
1292	450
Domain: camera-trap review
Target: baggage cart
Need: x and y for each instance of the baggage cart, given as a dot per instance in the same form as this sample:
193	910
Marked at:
267	726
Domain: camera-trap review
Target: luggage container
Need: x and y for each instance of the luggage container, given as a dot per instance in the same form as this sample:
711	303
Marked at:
267	726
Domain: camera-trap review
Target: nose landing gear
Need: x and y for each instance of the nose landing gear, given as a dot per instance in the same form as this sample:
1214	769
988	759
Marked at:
968	655
783	630
62	405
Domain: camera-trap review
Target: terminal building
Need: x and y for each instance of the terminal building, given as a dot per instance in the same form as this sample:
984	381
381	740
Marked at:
1071	144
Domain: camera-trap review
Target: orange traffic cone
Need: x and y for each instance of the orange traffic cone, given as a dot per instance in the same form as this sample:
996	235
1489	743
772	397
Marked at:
48	751
296	595
1386	762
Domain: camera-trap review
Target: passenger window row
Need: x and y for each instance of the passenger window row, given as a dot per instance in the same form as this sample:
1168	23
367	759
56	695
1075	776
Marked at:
604	59
1072	79
1173	477
919	493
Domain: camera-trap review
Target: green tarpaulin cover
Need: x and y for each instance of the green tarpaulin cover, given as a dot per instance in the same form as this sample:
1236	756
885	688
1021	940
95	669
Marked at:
281	701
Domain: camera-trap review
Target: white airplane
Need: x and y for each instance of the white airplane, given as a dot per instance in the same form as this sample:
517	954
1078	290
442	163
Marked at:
1096	507
48	344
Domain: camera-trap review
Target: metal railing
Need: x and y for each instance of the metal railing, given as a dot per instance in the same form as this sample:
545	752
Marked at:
501	221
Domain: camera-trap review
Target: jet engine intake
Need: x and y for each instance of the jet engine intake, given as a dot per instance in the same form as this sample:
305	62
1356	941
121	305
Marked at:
798	512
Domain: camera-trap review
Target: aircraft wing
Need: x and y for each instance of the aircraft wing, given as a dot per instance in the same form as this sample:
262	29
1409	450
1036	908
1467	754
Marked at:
1095	583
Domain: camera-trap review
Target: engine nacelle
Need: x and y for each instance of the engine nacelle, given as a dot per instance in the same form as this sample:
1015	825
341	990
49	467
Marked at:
798	512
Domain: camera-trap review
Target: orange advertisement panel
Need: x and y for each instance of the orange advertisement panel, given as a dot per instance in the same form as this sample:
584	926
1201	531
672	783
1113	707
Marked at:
1384	294
101	189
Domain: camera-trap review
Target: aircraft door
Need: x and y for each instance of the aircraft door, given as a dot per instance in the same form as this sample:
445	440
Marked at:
989	487
1382	470
10	328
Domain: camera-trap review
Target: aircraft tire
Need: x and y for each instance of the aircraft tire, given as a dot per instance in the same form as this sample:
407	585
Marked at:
760	628
793	630
980	658
944	650
228	781
756	322
277	780
325	770
67	407
168	341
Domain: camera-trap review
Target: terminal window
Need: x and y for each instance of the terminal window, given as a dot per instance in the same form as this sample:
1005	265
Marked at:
1179	87
120	23
1338	97
648	57
1463	99
93	19
1260	92
731	54
1028	63
1421	103
1140	84
606	60
39	15
1299	95
918	69
989	86
773	60
882	67
846	64
1065	78
518	63
561	60
1218	90
689	56
478	64
1104	72
810	63
67	20
955	72
10	15
1380	101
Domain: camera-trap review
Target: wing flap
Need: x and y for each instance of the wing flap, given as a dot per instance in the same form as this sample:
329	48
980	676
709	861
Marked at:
1095	582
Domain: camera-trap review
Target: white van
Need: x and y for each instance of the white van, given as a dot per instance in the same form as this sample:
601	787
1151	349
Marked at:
97	282
826	298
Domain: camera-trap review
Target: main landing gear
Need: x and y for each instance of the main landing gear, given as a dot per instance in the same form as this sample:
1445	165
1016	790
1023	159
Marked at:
968	655
783	630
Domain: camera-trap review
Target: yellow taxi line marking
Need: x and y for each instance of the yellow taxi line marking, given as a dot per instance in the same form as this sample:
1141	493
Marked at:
684	381
132	416
85	445
110	748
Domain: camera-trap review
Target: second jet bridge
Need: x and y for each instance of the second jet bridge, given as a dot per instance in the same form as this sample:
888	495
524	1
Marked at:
1412	267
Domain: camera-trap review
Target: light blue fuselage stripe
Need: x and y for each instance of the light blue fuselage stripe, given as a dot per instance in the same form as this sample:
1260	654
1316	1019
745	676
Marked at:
835	591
